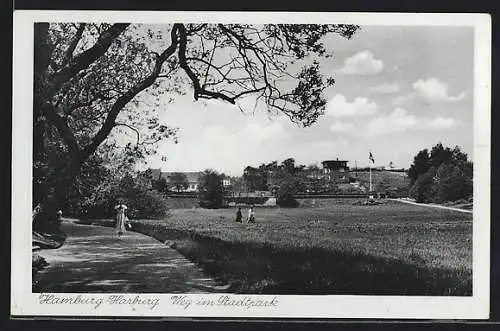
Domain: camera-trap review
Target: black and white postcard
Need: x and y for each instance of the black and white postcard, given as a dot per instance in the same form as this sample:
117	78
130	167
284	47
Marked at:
251	165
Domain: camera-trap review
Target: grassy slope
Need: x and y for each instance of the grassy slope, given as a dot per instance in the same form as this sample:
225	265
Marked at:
394	179
333	248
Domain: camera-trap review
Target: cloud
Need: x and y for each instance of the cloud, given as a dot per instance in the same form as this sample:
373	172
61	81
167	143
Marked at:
438	123
263	132
327	149
402	99
398	121
385	88
338	106
341	127
249	134
433	90
362	63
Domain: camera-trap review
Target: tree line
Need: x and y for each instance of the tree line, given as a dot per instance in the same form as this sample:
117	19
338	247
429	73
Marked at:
441	174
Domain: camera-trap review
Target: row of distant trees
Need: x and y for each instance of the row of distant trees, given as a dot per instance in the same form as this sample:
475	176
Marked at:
441	174
178	182
438	175
283	179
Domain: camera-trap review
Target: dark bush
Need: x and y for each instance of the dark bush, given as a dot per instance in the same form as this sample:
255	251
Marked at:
423	189
288	202
209	204
453	184
149	204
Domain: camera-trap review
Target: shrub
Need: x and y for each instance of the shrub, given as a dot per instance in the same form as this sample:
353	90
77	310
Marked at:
148	204
453	184
211	189
423	189
141	200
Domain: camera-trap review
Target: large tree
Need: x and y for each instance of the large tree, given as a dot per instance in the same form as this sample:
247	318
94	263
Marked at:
211	189
421	164
89	81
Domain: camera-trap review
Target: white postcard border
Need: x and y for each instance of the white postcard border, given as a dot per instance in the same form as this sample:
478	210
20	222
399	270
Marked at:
23	302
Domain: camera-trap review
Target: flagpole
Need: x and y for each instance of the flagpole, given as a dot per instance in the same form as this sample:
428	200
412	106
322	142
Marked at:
371	162
371	189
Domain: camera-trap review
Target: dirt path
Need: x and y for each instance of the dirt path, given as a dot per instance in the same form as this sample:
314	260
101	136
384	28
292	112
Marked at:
432	206
94	260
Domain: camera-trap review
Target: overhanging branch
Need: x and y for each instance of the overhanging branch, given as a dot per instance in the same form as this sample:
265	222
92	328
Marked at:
199	91
126	97
84	59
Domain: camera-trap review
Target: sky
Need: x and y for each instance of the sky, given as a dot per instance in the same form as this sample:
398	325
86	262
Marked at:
398	89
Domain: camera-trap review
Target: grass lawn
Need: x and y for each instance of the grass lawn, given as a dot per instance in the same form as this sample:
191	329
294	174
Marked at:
333	247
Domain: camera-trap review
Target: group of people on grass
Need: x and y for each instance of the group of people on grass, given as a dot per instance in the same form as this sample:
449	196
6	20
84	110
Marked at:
122	221
250	218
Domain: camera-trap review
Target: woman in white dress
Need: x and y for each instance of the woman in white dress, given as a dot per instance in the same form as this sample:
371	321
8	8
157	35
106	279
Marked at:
120	218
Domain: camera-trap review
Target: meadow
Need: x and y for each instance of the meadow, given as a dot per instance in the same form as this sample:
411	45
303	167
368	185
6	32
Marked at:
327	247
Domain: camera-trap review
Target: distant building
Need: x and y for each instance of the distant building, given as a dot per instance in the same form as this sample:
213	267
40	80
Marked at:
336	170
193	178
335	165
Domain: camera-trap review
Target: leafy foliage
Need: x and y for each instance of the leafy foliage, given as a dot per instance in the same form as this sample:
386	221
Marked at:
286	186
441	175
283	180
134	191
160	185
421	163
211	189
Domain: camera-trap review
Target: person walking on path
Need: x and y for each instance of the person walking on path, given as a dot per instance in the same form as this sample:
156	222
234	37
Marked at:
120	218
239	216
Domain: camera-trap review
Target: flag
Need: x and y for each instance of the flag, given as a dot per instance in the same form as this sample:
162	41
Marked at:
371	158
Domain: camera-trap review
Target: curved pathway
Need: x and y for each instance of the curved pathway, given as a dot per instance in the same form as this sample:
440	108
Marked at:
94	260
432	206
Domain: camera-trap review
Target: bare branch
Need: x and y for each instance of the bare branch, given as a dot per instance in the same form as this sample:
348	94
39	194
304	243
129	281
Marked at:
131	128
199	91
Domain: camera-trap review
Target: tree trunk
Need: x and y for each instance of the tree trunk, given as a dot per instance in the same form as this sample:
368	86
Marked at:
53	199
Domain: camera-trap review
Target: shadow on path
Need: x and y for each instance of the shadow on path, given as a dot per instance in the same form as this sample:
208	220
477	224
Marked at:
94	260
